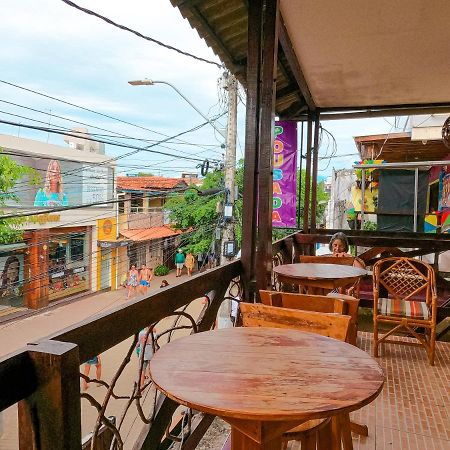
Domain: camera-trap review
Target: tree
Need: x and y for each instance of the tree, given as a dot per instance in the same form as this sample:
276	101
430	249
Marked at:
145	174
198	214
10	173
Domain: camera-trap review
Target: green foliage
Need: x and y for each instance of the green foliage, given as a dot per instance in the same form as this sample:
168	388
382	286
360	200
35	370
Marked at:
370	226
145	174
198	214
161	270
10	174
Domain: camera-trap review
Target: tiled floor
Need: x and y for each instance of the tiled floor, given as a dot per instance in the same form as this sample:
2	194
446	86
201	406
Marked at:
413	411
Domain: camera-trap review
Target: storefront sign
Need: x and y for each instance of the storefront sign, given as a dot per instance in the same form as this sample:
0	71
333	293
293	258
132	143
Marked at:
285	175
113	244
44	218
106	229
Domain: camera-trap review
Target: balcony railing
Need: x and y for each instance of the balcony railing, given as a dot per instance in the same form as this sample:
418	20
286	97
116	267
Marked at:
44	377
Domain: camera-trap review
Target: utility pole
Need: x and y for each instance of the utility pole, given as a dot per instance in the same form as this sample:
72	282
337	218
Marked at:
230	161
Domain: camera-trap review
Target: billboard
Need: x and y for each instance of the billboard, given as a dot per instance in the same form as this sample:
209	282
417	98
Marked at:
61	183
284	212
11	279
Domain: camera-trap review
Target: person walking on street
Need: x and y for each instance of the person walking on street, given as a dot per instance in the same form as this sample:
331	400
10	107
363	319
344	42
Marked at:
145	345
132	281
97	362
189	263
200	261
145	277
179	261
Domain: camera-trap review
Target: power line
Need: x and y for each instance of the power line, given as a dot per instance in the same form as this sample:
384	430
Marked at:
113	134
87	109
51	130
137	33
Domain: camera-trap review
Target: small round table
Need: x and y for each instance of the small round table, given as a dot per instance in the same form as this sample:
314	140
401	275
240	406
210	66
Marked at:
265	381
319	278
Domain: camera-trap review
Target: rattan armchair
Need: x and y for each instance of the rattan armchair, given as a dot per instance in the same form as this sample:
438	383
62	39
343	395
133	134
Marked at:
404	280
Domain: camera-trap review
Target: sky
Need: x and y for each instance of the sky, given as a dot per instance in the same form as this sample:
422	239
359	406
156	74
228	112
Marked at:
54	49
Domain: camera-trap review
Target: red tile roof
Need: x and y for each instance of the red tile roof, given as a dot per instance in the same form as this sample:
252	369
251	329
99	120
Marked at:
147	234
150	183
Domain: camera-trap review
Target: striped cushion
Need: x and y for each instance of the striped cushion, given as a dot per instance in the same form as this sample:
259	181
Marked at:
402	308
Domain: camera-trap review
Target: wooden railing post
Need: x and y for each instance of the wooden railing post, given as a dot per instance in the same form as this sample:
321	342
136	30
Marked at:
50	418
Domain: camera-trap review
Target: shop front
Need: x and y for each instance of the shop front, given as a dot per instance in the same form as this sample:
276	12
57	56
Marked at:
112	254
69	262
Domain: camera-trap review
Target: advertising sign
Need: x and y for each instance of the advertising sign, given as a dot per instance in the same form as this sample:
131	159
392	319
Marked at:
11	278
285	175
62	183
444	201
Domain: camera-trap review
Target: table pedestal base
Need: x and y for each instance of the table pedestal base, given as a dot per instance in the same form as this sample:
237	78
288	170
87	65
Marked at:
258	435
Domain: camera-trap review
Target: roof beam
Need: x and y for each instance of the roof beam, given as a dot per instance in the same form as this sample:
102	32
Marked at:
291	57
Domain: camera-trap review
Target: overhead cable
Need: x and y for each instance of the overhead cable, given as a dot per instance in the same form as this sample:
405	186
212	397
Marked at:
137	33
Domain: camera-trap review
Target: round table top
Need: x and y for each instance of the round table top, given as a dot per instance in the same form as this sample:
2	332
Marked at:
313	271
266	374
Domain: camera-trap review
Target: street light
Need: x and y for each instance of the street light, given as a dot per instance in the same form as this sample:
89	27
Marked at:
147	82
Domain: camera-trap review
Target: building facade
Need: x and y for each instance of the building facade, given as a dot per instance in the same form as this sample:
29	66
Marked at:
58	257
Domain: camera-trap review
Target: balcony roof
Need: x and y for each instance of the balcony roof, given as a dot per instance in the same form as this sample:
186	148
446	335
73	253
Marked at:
398	147
374	55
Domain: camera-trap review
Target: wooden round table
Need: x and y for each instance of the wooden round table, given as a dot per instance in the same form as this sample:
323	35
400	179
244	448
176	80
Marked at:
265	381
319	278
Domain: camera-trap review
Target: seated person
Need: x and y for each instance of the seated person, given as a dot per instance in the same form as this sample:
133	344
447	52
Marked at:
339	248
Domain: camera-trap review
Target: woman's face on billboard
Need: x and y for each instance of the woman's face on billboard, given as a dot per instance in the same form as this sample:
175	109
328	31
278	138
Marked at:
12	272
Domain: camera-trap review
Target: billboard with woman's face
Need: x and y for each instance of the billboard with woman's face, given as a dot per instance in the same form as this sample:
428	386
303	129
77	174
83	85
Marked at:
11	278
62	183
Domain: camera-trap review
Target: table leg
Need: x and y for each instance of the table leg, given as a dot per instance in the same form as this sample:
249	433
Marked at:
346	432
357	428
239	441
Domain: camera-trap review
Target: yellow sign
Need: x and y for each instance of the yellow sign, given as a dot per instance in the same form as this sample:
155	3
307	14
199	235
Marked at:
44	218
106	229
370	199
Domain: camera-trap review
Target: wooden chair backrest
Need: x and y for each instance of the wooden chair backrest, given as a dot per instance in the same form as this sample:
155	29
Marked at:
331	325
317	303
344	261
404	278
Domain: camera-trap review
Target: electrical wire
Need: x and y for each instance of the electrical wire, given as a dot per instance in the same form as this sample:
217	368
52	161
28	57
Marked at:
137	33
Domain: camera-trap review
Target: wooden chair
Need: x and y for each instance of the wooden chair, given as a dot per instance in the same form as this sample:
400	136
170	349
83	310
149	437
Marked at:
330	325
331	303
327	324
344	261
404	279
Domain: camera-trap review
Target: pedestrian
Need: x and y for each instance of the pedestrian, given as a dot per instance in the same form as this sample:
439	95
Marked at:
200	261
132	281
145	277
179	261
97	362
211	261
189	263
164	283
145	342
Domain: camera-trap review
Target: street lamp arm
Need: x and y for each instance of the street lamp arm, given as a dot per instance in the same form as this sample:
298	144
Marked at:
149	82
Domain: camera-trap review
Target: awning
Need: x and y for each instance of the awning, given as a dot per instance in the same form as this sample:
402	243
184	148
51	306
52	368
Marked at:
6	248
148	234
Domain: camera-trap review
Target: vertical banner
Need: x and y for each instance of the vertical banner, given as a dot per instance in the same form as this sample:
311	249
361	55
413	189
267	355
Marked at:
285	175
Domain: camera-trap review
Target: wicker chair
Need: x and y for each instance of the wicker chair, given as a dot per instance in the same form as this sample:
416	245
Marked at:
403	279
